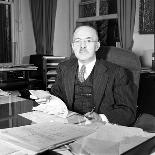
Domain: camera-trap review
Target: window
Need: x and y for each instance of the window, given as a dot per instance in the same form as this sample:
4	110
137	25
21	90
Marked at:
101	14
6	52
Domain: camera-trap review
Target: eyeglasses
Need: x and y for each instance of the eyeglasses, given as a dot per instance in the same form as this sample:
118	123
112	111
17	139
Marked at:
86	41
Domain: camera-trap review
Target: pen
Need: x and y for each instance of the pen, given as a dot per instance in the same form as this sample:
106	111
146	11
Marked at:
92	110
83	121
88	117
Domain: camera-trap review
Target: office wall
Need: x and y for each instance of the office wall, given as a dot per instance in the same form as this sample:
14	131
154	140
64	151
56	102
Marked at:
27	32
61	45
143	43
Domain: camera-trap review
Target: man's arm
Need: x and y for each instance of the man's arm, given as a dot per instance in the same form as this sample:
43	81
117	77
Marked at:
42	96
57	88
124	96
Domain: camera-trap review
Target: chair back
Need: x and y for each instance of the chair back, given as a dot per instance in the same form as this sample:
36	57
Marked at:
124	58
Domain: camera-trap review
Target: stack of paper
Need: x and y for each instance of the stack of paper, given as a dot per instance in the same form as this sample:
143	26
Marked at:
43	136
41	117
7	148
110	140
50	104
4	93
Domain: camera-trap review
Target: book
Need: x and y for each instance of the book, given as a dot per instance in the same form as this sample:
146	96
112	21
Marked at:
43	136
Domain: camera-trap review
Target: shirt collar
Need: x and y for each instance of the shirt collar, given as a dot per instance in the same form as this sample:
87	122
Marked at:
89	66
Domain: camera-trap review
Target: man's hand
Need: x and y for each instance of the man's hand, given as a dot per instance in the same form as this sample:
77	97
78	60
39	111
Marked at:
93	116
40	96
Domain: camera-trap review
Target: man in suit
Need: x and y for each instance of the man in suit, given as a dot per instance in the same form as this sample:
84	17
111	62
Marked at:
105	93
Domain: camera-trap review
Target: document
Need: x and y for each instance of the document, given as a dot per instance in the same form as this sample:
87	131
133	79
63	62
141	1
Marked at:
6	148
43	136
110	140
41	117
50	104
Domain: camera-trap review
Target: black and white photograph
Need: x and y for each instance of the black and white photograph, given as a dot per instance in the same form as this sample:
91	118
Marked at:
77	77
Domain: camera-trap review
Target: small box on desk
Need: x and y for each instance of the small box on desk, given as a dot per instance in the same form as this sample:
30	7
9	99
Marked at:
153	61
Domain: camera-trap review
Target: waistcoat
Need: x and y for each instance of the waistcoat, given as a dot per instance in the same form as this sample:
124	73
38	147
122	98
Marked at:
83	95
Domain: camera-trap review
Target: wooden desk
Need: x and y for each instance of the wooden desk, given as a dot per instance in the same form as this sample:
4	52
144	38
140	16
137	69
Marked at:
10	107
146	146
12	77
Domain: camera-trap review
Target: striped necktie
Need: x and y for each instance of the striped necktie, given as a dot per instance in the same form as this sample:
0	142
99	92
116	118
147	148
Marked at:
81	73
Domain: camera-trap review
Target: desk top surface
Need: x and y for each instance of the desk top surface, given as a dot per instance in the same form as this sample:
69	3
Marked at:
17	120
10	107
10	99
27	67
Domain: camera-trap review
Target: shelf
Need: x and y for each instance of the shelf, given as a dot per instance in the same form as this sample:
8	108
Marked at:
49	86
51	79
50	64
53	57
52	72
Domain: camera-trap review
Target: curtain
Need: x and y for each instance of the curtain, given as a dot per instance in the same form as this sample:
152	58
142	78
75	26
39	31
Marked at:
126	10
5	33
18	28
43	17
50	13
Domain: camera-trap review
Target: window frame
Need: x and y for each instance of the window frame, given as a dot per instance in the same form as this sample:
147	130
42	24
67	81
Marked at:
97	17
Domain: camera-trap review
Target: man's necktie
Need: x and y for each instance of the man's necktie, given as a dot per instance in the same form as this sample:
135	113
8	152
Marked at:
81	73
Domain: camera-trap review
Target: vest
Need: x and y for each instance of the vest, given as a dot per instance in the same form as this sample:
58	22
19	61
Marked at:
83	95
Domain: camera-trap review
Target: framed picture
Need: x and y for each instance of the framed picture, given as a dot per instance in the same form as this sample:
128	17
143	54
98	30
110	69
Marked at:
146	17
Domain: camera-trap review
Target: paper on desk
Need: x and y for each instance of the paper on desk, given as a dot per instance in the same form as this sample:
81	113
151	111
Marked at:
94	146
4	93
41	117
36	94
127	137
7	148
110	140
53	106
42	136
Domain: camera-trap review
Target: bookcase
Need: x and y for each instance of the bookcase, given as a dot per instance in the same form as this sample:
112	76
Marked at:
50	64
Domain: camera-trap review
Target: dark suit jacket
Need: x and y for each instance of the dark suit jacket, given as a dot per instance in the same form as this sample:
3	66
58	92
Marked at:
114	94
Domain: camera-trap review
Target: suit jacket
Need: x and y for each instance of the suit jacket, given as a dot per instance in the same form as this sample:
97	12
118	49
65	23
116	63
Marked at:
115	95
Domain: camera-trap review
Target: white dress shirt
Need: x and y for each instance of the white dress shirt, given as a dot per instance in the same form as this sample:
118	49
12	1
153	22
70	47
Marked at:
89	68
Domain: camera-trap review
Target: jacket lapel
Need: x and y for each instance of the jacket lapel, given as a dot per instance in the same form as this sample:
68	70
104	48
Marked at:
69	80
100	82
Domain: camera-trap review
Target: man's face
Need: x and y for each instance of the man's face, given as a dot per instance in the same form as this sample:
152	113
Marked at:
85	44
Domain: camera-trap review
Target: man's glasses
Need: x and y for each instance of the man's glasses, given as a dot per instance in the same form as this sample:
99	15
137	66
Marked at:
87	42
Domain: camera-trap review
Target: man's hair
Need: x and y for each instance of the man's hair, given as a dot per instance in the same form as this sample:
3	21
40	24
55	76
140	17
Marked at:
94	28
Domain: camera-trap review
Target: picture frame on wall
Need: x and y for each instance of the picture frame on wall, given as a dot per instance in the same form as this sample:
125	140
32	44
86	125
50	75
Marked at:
146	17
